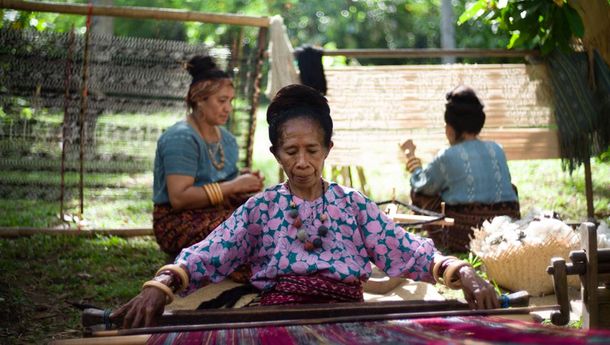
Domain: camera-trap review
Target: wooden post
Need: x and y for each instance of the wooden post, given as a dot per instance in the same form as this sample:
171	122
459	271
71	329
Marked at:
83	114
590	308
261	45
560	285
589	190
67	82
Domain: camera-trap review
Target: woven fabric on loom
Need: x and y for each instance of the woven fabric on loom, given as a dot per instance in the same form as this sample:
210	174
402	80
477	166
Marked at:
583	115
452	330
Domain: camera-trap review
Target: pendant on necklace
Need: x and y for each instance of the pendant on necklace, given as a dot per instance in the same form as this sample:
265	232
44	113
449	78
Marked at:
302	235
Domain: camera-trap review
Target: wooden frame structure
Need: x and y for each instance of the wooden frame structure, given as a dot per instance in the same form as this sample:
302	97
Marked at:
542	144
592	265
262	23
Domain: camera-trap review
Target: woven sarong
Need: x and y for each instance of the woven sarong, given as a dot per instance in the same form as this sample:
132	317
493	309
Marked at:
466	217
178	229
296	289
450	330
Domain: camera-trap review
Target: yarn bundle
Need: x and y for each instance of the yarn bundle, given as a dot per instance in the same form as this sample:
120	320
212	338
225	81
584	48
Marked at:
516	254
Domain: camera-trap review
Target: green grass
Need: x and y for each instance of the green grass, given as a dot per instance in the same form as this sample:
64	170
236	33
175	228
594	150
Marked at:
42	274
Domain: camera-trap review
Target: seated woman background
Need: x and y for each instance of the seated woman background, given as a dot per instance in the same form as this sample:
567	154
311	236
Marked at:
197	184
308	240
471	176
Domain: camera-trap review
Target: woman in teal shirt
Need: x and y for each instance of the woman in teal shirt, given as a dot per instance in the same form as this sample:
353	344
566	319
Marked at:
197	184
471	176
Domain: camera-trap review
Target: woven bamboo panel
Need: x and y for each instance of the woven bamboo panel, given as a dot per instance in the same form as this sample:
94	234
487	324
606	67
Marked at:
376	107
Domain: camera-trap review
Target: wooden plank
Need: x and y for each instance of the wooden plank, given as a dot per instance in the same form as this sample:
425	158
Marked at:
116	340
409	218
383	147
136	12
429	52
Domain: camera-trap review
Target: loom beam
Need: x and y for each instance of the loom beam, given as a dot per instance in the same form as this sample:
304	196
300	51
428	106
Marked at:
95	318
593	268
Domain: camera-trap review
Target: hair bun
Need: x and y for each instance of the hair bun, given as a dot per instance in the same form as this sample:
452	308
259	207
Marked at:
463	95
297	96
200	65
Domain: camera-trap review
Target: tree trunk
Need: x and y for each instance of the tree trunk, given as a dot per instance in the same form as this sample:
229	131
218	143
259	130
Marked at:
447	29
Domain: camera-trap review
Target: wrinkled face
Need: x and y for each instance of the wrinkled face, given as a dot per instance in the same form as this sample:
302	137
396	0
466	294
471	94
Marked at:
215	109
301	152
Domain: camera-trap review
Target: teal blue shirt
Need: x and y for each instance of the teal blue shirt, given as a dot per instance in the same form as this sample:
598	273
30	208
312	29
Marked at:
473	171
182	151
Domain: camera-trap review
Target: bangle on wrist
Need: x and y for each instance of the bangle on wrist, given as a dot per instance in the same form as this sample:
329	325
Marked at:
440	267
219	194
164	288
452	280
179	272
212	193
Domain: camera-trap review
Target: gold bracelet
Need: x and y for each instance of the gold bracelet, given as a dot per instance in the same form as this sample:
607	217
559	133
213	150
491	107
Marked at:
184	278
166	290
209	190
220	195
450	273
437	267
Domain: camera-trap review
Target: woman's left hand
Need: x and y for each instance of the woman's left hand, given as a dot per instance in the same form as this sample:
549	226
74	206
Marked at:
479	293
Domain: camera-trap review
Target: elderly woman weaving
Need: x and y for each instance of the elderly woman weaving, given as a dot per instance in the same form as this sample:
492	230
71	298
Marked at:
308	240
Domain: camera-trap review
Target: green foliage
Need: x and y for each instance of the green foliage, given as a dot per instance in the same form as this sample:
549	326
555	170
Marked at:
329	24
548	24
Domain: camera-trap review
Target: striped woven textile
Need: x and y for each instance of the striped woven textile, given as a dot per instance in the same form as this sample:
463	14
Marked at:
451	330
583	114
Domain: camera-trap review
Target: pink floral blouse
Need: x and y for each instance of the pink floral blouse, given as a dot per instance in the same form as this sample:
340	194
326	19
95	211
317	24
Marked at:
262	232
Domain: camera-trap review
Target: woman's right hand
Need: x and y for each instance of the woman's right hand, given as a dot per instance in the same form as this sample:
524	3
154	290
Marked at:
144	310
247	183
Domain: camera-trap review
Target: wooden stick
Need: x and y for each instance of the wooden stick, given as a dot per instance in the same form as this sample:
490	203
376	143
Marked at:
429	53
92	317
340	319
589	190
407	218
11	232
137	12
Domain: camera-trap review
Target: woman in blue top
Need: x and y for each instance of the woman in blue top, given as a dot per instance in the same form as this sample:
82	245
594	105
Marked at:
471	176
197	184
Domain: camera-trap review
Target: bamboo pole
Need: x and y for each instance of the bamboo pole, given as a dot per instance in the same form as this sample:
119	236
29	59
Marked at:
83	116
11	232
429	53
261	45
137	12
68	79
589	190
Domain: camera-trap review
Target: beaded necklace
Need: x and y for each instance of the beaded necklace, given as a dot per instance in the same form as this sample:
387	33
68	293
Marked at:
213	149
308	243
213	152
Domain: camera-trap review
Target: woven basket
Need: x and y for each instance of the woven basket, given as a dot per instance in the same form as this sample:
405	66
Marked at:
524	267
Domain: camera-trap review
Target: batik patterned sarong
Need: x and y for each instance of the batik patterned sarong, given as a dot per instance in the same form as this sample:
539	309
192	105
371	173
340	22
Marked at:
295	289
178	229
